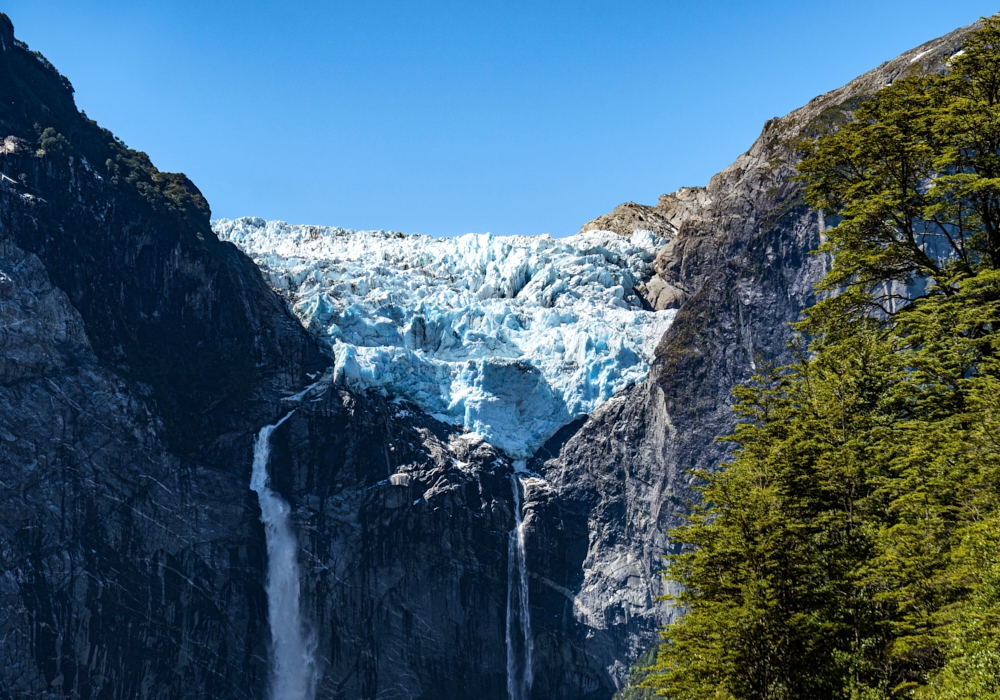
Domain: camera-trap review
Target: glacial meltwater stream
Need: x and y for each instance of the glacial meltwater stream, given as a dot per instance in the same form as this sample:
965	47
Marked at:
293	666
519	641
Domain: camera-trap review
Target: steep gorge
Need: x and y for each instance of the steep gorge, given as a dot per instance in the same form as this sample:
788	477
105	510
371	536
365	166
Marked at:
142	356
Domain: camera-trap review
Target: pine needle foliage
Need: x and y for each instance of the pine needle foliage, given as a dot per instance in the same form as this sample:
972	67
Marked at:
850	548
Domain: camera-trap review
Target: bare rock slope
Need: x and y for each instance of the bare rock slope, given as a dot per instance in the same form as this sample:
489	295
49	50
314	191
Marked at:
738	268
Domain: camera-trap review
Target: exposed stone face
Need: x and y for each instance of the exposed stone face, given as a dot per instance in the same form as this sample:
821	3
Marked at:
630	217
739	270
140	356
126	572
404	528
665	219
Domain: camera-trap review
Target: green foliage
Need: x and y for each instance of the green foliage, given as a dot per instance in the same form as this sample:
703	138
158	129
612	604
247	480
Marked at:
39	100
972	671
51	141
849	550
634	689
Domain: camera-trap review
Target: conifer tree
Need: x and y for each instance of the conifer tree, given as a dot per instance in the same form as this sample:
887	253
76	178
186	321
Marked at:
849	550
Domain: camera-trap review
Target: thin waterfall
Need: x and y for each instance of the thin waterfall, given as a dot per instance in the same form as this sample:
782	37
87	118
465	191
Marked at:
519	642
293	666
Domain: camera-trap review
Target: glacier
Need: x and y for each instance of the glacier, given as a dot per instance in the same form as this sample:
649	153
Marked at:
511	337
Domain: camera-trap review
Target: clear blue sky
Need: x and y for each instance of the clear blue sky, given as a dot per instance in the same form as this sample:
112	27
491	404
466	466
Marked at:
447	117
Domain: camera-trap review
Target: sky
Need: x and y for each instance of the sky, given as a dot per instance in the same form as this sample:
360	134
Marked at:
447	117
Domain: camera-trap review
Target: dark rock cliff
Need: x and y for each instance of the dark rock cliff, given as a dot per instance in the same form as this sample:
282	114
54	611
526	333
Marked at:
139	357
139	354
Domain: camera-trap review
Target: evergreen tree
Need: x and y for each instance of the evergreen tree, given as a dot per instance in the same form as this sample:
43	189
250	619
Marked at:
848	551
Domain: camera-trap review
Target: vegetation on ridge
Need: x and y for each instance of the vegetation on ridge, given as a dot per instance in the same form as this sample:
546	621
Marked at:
849	550
38	101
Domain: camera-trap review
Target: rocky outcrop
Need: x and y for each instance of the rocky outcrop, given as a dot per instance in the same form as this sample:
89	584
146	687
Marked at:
403	527
127	571
739	271
665	219
630	217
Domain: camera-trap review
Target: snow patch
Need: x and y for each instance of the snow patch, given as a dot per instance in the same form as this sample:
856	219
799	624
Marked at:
511	337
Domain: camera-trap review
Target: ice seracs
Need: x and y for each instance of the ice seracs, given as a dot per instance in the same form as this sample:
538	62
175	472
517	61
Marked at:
510	336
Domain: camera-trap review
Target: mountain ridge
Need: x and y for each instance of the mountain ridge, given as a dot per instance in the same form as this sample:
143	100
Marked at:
739	270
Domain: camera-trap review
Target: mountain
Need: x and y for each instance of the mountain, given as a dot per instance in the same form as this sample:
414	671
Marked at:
738	270
143	357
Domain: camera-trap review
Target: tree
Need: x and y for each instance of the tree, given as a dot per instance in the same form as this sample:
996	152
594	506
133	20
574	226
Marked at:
847	551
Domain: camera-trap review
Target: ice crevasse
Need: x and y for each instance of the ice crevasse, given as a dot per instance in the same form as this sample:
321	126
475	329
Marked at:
511	337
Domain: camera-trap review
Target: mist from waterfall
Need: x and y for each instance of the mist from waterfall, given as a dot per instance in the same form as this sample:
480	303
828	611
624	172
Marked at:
520	645
293	665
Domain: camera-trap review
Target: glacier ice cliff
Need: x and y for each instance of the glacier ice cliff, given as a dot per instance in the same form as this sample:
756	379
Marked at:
512	337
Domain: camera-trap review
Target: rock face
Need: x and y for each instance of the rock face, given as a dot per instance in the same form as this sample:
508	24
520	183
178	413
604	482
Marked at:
138	353
664	219
140	356
739	270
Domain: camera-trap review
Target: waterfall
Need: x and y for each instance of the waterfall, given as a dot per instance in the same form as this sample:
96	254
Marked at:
519	671
293	668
